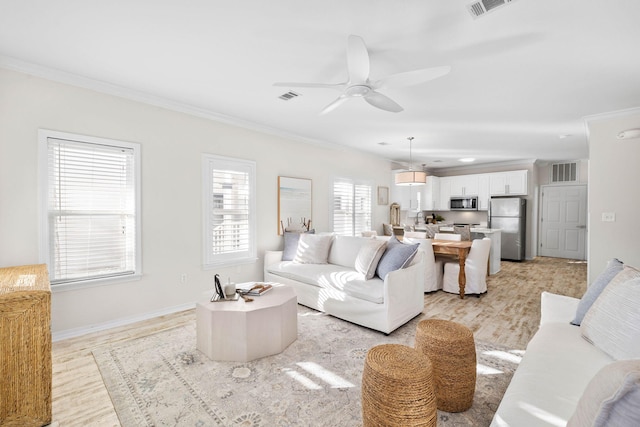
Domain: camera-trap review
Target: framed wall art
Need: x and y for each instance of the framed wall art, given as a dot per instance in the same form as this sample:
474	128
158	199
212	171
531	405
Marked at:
383	195
294	203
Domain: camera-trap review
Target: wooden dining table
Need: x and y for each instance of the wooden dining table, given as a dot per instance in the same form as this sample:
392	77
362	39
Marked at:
458	248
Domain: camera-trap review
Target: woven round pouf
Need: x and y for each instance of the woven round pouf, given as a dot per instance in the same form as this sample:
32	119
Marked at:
397	388
452	352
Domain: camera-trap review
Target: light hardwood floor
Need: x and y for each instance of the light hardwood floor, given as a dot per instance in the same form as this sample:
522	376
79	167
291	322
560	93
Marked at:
508	314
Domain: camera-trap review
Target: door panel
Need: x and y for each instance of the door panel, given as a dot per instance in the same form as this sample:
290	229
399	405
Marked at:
563	223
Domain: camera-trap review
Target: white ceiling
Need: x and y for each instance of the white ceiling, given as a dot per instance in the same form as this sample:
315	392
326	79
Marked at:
521	75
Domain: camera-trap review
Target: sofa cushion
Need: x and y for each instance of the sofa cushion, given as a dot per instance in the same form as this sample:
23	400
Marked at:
369	256
313	248
331	276
613	321
397	255
595	289
345	249
611	398
291	243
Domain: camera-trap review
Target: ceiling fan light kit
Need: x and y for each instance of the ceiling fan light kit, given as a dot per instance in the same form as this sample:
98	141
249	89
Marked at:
360	86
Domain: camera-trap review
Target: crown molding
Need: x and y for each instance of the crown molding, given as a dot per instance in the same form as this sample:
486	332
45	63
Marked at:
611	114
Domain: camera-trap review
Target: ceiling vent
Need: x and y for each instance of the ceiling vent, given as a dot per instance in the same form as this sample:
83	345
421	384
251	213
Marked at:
564	172
289	95
482	7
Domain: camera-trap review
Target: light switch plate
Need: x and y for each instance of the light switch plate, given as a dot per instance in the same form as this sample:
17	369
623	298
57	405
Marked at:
608	216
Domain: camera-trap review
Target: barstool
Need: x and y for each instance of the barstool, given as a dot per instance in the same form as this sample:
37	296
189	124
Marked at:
452	351
397	388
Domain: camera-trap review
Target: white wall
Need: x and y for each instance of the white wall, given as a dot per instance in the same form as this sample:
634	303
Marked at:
172	144
614	176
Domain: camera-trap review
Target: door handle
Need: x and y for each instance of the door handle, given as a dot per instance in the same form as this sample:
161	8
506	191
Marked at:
581	226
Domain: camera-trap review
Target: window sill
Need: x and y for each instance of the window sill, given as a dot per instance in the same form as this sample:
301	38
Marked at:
74	286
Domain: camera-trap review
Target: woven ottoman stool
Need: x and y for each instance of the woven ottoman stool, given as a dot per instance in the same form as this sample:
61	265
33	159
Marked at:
397	388
451	349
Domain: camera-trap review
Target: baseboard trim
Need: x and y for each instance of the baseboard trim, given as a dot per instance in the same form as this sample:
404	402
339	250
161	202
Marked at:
76	332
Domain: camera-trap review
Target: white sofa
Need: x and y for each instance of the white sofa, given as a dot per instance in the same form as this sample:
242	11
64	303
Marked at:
587	375
554	372
336	288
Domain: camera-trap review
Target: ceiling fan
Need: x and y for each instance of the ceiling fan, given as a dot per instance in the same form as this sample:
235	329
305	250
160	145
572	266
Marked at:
360	86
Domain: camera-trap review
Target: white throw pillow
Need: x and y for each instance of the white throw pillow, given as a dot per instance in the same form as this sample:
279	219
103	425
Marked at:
369	256
313	248
611	397
613	322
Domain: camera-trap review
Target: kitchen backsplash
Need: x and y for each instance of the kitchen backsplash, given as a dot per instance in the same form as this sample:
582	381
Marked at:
464	217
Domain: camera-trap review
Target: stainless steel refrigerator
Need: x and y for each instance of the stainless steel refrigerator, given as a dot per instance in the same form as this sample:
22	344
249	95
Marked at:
509	215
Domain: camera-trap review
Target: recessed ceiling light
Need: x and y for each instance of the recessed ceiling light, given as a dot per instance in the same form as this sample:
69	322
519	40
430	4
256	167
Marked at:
467	160
384	143
564	135
437	161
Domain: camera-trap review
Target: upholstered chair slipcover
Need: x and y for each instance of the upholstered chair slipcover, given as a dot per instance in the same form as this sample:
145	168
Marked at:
475	270
434	268
448	236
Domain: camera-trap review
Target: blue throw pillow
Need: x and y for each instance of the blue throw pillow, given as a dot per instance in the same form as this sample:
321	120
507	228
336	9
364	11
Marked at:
397	255
291	243
595	289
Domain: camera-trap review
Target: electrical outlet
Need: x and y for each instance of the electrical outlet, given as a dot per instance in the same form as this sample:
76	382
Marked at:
183	278
608	216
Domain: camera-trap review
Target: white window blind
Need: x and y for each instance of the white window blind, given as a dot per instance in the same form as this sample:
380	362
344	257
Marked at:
91	224
229	215
351	207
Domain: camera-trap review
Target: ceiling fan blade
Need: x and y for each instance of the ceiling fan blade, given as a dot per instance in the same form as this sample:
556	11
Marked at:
383	102
357	60
411	78
337	86
335	104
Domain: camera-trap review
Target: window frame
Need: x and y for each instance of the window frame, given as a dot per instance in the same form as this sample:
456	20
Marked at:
209	259
43	214
354	183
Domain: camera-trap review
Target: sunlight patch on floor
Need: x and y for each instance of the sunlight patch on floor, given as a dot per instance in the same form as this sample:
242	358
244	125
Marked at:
487	370
306	382
334	380
506	356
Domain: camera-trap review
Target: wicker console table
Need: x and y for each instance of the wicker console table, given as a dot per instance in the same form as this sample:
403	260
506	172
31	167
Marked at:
25	350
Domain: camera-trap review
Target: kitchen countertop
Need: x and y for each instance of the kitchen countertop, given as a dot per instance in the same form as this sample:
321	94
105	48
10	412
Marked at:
473	229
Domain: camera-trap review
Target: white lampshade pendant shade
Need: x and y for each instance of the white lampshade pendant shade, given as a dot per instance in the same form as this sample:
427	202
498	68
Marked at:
411	177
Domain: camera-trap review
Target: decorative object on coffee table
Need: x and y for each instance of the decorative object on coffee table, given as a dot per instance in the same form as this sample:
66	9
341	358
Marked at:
397	388
451	349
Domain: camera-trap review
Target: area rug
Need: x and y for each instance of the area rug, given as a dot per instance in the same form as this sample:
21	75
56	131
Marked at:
163	380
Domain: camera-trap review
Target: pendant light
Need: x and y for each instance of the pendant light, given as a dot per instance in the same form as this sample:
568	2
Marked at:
411	177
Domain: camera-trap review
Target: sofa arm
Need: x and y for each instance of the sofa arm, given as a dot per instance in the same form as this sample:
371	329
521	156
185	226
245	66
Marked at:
270	258
404	288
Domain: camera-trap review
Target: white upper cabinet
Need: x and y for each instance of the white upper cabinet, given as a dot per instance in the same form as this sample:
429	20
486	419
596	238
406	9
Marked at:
464	185
445	193
431	194
483	192
508	183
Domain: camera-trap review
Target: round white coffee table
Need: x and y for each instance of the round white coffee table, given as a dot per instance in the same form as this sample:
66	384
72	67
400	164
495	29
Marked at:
242	331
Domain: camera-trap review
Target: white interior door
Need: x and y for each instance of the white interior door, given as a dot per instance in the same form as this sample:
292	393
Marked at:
564	221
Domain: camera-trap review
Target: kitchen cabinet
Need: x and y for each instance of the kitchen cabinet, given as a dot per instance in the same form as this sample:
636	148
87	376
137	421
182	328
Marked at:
464	185
445	193
431	194
483	192
408	196
508	183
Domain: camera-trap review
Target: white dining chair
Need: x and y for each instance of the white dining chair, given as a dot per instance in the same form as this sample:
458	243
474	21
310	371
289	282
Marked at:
475	269
448	236
434	267
416	234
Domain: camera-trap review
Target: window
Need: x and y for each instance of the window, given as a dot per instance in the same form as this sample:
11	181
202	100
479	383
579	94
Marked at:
351	207
90	222
229	211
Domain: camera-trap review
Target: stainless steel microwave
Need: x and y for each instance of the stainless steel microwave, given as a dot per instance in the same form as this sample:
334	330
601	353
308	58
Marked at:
463	204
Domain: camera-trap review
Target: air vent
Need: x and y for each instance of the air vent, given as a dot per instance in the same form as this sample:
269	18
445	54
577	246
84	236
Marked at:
564	172
482	7
289	95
